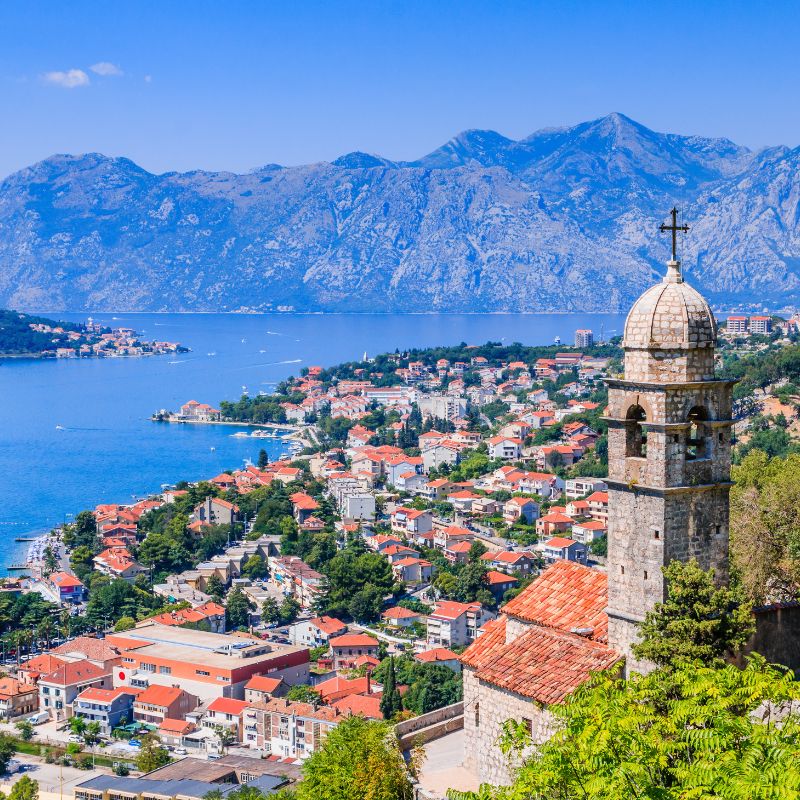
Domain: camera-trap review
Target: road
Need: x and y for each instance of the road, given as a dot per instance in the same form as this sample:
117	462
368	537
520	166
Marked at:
443	767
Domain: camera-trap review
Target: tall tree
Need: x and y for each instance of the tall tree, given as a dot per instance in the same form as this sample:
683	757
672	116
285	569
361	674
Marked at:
698	620
359	760
237	609
391	702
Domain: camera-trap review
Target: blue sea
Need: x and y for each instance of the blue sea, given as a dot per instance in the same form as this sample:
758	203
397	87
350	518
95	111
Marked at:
74	433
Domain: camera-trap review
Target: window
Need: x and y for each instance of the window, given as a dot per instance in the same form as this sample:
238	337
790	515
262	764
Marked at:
165	670
148	667
696	440
645	574
635	433
477	715
201	672
656	534
527	724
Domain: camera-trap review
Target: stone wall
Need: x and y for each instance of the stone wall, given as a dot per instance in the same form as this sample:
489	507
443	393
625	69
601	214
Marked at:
482	732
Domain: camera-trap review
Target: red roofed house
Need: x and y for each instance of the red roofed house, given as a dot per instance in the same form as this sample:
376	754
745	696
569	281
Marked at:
587	532
455	624
499	583
367	706
400	617
107	707
225	713
553	523
346	649
534	655
117	562
316	632
598	505
508	448
156	703
261	688
215	511
17	698
560	547
522	507
411	520
69	588
172	731
413	570
58	690
441	656
510	561
209	616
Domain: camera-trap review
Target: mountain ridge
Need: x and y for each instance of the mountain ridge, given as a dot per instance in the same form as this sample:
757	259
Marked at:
562	220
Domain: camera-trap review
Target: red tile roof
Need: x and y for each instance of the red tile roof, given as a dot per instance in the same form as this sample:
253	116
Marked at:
566	596
336	687
559	542
75	672
328	625
449	609
495	578
64	580
354	640
544	664
155	695
228	705
437	654
263	683
367	706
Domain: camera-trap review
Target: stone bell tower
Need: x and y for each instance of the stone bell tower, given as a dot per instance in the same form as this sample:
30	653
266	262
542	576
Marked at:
669	452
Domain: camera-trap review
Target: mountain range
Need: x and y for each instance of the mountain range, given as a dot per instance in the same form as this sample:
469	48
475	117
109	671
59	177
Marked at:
563	220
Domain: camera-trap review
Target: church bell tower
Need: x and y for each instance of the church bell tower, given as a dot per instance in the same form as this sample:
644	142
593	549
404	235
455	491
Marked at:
669	451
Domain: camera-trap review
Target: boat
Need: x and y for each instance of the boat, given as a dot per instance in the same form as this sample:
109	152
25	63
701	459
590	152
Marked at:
60	427
211	354
240	435
213	449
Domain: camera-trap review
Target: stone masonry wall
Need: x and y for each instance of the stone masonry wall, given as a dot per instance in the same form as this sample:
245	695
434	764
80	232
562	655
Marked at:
482	754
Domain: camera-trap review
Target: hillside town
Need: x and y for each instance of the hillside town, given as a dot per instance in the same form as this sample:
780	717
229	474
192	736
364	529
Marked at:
434	498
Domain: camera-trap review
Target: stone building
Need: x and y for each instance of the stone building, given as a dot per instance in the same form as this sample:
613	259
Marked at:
669	478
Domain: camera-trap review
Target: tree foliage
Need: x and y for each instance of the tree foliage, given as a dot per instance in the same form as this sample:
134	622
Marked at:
699	732
698	621
359	760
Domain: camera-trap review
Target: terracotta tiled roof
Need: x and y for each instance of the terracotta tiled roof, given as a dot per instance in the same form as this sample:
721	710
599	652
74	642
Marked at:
482	649
367	706
263	683
228	705
544	664
493	578
336	687
566	596
328	625
89	647
354	640
174	726
437	654
75	672
155	695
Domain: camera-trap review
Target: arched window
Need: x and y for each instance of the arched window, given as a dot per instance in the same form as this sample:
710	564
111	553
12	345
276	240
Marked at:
696	440
635	433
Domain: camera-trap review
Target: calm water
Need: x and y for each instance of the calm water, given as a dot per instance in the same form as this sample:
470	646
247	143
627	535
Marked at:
110	452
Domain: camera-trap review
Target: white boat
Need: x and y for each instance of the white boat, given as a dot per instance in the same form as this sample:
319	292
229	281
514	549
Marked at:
240	435
60	427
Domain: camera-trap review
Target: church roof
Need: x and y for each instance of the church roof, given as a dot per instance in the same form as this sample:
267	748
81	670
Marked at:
566	596
670	315
545	665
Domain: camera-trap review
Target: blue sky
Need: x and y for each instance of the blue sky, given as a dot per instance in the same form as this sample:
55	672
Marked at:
233	85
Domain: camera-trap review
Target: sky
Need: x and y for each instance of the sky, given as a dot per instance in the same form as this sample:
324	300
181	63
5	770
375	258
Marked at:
234	85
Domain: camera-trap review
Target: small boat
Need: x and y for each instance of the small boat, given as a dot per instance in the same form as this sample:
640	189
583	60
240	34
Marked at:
213	449
60	427
211	354
240	435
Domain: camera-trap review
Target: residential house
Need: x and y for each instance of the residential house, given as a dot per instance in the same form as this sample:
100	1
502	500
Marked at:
216	511
463	499
510	561
108	707
17	698
458	553
520	508
209	616
286	729
552	523
399	617
347	648
261	688
316	632
436	489
409	521
508	448
173	732
398	552
156	703
69	588
225	713
587	532
58	690
454	624
598	505
446	538
441	656
499	583
561	548
118	563
413	570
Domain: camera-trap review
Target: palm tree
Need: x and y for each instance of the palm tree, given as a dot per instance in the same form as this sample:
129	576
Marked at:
45	630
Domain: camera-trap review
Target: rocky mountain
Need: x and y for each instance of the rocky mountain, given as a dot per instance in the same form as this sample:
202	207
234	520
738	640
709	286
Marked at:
563	220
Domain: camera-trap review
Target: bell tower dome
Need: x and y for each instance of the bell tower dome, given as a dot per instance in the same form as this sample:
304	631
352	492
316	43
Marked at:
669	451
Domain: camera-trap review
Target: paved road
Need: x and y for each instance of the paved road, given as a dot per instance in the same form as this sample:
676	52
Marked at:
443	768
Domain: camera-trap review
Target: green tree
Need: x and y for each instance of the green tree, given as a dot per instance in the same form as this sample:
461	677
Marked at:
288	610
7	749
237	609
125	624
81	561
215	587
303	694
152	754
270	612
51	562
255	567
716	733
24	789
77	725
697	621
26	730
263	458
359	760
391	702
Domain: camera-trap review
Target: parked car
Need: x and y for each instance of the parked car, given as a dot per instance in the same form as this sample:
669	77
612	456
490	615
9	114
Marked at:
39	718
134	743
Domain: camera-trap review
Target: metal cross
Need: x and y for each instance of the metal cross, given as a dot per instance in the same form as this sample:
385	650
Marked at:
674	228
